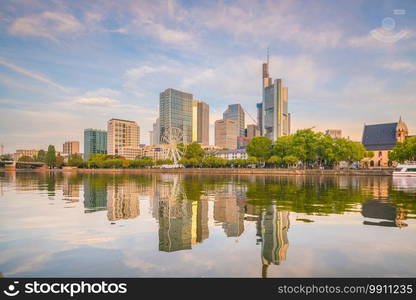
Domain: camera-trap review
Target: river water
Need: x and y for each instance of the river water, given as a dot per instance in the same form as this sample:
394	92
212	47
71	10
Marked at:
175	225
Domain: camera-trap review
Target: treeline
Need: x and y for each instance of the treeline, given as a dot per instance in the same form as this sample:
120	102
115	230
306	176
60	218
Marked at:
404	151
307	149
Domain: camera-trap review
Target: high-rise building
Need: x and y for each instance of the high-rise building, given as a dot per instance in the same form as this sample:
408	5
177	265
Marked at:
334	133
275	117
236	112
122	133
260	117
200	122
95	142
252	131
175	111
1	149
70	147
226	133
155	136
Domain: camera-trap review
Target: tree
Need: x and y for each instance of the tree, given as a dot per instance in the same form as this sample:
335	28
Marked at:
274	160
50	158
290	160
6	157
25	158
75	160
404	151
59	161
194	150
41	157
260	147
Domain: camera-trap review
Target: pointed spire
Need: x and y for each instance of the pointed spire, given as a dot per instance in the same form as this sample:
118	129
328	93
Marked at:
267	56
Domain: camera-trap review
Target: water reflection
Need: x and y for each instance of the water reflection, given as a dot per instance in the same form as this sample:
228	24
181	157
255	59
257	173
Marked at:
191	209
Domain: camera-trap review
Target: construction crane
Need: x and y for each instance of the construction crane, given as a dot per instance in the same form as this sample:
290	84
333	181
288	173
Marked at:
245	111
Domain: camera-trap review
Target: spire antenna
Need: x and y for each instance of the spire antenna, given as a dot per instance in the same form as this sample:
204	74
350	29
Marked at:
267	55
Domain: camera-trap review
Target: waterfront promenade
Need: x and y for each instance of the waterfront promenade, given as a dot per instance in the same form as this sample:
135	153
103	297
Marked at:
237	171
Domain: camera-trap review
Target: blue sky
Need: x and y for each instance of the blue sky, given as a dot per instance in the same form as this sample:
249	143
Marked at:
70	65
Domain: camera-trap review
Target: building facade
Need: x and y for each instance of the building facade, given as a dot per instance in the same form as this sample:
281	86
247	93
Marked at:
251	131
236	112
155	133
232	154
242	142
275	116
70	148
95	142
24	152
381	139
226	133
175	111
334	133
260	117
200	122
122	133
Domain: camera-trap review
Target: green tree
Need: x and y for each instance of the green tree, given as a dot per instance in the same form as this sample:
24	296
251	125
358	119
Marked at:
194	150
404	151
25	158
274	160
6	157
75	160
290	160
260	147
50	156
41	156
59	161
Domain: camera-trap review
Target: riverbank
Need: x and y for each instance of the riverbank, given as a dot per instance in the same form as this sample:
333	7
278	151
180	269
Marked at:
231	171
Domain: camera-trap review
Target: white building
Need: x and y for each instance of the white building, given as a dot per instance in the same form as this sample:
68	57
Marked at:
232	154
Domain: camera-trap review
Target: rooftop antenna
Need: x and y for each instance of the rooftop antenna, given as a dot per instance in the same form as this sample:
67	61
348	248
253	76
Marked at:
267	56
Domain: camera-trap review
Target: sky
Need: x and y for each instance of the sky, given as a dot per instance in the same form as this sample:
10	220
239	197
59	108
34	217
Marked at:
70	65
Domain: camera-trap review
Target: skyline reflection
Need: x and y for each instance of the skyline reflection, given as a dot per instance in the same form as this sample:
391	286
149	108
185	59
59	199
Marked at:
190	211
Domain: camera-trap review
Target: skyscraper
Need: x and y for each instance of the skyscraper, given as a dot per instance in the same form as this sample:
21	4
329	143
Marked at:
156	133
236	112
95	141
122	133
260	117
70	147
275	116
175	111
252	131
226	133
200	122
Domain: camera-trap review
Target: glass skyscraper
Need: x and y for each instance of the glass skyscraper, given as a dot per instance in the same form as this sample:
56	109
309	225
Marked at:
95	141
236	112
175	111
275	117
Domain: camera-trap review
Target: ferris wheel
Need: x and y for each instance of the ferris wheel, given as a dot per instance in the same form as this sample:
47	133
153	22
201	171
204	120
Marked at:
173	136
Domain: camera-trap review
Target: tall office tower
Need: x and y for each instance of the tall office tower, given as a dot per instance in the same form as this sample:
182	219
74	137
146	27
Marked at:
175	111
71	147
275	116
252	131
151	138
260	117
122	133
1	149
236	112
95	142
200	122
226	133
156	133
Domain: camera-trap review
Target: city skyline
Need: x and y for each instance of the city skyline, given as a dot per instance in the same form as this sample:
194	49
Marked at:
67	67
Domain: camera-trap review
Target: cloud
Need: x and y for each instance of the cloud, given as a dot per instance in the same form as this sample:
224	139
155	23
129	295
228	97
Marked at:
95	101
50	25
402	66
32	74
